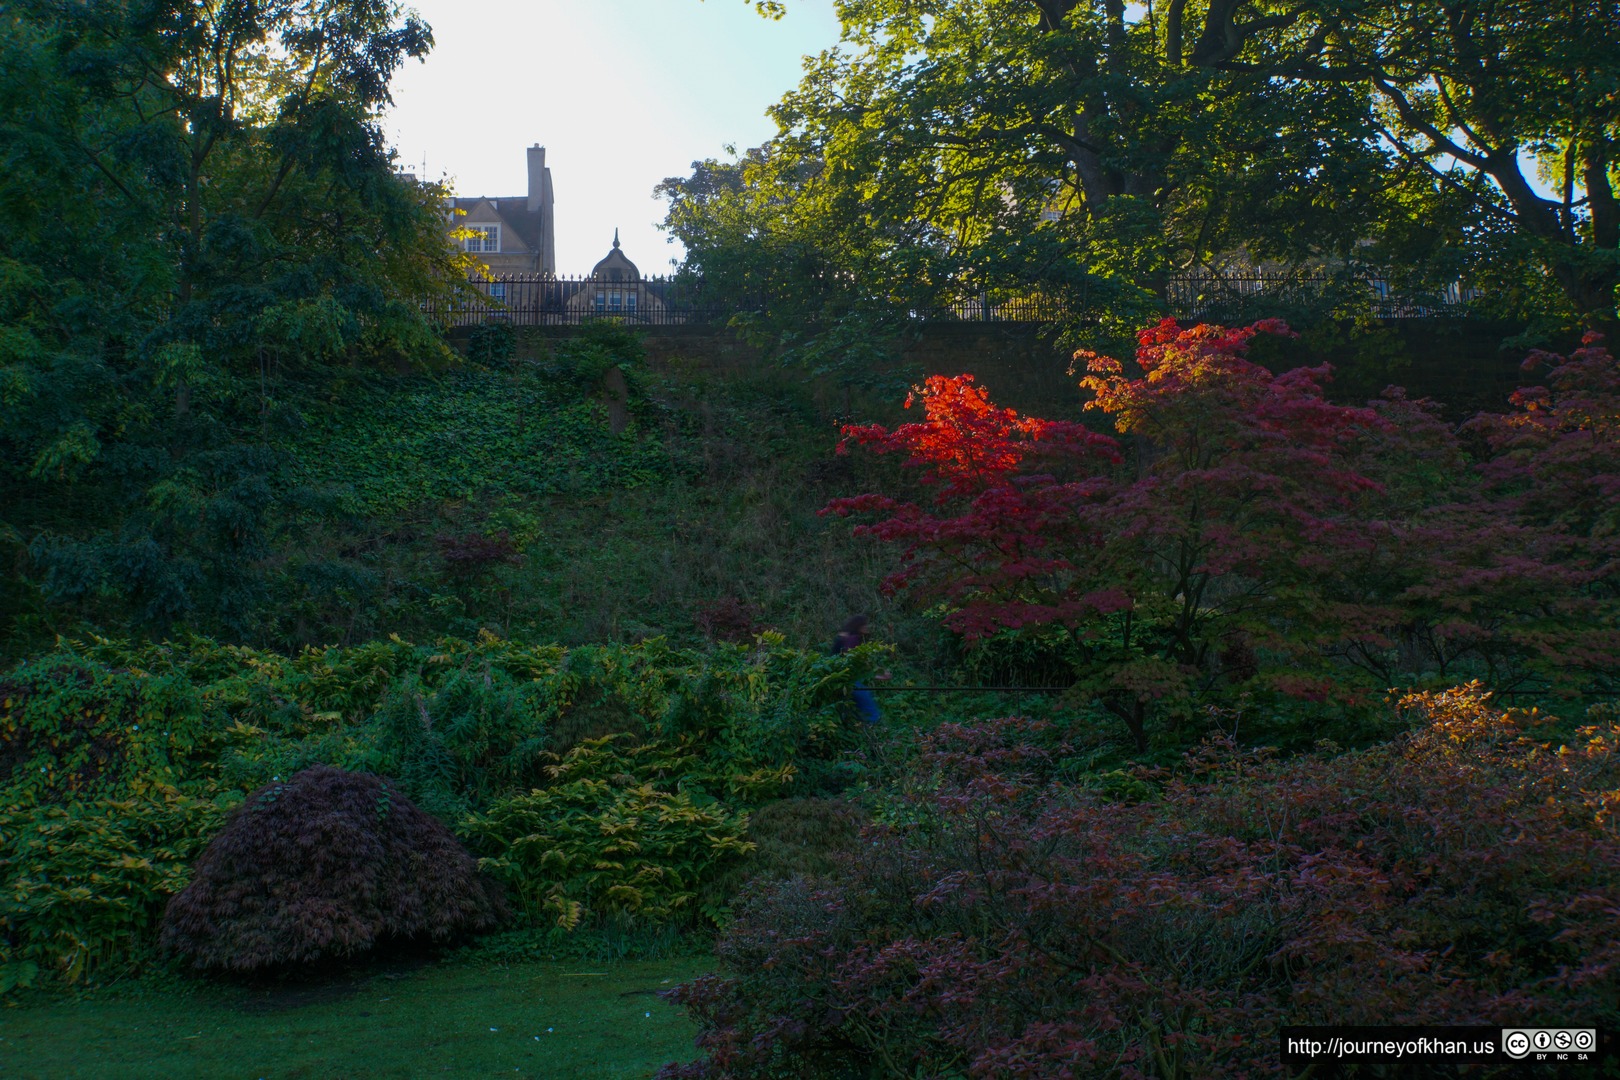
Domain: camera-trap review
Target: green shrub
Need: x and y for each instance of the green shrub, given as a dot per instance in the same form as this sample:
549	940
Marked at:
586	357
146	735
761	715
458	721
492	344
800	837
472	435
83	885
456	745
616	834
73	728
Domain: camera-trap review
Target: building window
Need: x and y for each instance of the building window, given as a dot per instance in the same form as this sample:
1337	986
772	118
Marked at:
630	301
613	300
497	291
601	301
484	238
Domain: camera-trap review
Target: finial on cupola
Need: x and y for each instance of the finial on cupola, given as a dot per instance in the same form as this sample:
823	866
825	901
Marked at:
615	236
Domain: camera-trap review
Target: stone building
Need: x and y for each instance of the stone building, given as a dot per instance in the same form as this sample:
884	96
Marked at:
515	234
615	287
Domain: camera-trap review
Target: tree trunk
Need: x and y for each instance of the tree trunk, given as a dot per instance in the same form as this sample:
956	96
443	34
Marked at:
1134	712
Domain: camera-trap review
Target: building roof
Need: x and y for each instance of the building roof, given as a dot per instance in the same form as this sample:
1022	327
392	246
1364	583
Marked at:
514	212
616	260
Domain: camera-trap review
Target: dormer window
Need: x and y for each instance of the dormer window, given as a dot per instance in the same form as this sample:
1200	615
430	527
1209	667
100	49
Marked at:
484	238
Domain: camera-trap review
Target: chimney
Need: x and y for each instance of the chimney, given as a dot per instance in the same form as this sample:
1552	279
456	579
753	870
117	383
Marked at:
537	177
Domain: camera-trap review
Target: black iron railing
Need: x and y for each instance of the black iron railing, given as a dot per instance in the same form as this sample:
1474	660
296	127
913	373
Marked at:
549	300
1198	294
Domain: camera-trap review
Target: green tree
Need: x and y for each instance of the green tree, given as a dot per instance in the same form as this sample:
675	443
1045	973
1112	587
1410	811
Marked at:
197	211
1508	109
1083	148
957	149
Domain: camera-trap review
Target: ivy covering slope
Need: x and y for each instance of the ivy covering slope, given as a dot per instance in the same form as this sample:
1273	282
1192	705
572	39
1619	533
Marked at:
470	434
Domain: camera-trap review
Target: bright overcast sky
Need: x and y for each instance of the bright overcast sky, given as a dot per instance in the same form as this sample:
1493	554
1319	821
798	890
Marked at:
621	93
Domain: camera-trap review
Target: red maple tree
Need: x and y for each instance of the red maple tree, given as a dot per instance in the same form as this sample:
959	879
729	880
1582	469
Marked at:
1001	540
1242	527
1203	534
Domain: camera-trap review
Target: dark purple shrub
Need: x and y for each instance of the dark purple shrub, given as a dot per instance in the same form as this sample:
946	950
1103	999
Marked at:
1001	926
470	554
326	864
728	619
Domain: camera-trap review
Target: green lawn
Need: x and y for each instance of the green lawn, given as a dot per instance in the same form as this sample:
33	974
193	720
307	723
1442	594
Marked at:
463	1019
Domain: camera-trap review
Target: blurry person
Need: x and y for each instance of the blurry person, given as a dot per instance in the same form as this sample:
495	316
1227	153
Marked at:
853	633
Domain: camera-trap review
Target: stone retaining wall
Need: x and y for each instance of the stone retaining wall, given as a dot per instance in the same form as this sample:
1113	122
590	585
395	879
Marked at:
1462	363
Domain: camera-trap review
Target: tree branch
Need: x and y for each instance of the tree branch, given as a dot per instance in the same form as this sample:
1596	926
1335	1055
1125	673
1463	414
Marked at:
108	173
1442	143
1600	194
1172	33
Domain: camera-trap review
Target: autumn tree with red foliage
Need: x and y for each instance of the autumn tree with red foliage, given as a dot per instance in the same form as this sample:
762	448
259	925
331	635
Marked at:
1542	591
1504	569
1001	542
1243	529
1557	455
1205	539
1248	487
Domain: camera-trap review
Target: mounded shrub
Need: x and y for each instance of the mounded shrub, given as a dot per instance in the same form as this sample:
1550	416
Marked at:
325	864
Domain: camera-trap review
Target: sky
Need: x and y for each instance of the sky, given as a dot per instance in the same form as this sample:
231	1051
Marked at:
621	93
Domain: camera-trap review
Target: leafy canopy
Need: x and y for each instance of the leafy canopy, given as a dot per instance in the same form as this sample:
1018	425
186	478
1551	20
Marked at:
198	217
1083	149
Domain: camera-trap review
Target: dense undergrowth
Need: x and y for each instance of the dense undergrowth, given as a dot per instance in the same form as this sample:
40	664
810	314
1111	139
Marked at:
1269	838
597	781
1001	921
496	495
242	472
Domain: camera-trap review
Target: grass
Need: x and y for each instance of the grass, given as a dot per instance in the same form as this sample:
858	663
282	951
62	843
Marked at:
529	1019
